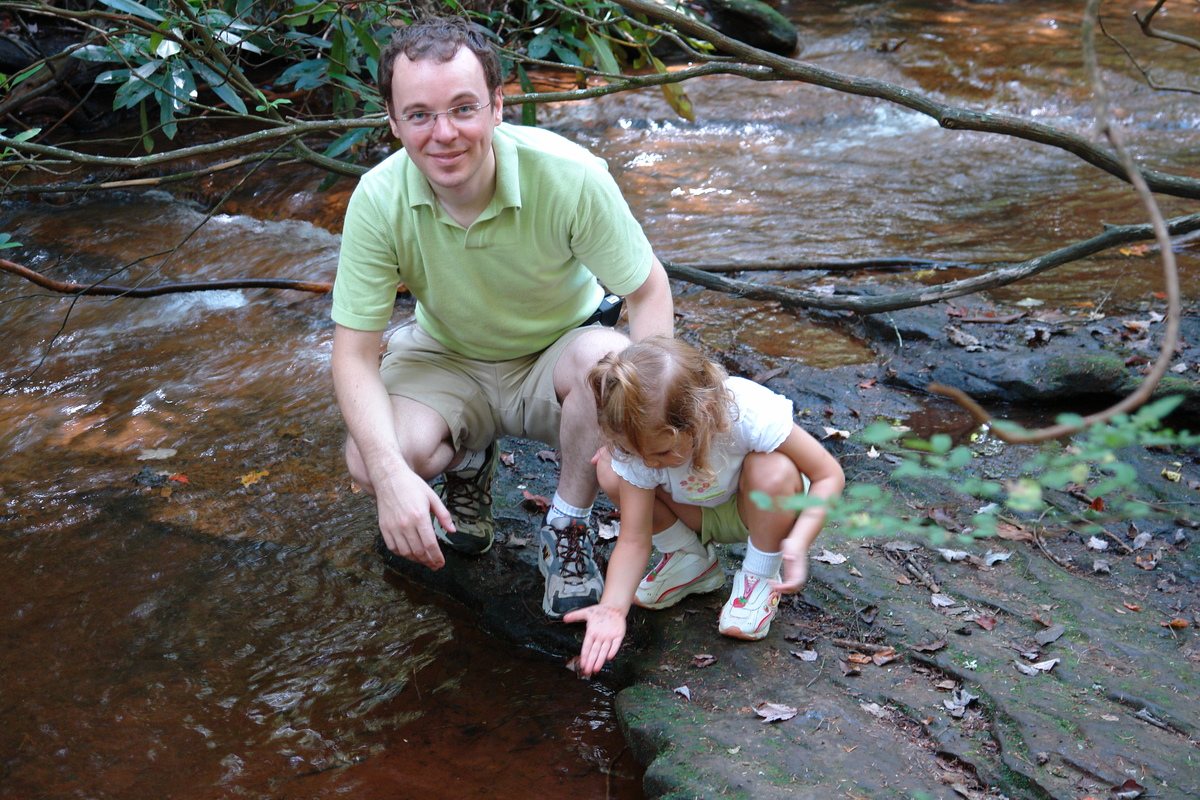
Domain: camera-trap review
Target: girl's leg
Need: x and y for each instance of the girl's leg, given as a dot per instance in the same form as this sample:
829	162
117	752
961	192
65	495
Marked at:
752	605
776	475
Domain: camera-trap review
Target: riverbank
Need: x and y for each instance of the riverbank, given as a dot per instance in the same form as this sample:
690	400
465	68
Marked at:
1020	670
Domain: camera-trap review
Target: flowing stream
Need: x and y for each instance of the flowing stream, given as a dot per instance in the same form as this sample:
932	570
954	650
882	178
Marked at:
190	605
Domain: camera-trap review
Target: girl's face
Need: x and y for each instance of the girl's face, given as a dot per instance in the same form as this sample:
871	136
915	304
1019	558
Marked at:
667	450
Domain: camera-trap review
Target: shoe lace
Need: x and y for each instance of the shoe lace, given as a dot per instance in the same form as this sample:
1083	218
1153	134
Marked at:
570	547
464	497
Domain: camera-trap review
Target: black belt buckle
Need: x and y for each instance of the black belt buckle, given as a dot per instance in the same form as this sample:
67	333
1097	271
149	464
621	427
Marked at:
607	313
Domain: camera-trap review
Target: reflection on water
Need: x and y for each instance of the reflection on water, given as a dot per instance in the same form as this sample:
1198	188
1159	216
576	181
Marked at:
193	606
209	621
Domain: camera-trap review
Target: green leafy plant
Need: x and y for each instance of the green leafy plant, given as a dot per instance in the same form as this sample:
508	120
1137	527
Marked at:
1094	467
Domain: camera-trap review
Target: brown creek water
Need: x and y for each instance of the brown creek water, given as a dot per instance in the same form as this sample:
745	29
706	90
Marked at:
210	622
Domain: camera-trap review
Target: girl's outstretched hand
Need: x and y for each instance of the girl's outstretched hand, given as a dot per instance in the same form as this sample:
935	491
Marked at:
605	631
795	566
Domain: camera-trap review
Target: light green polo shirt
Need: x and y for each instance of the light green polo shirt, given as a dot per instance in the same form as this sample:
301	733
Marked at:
526	271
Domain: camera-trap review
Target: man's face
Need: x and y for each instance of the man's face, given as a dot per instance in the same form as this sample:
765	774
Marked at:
456	157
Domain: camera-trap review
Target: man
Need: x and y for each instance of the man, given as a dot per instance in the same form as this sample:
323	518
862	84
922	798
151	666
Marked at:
504	235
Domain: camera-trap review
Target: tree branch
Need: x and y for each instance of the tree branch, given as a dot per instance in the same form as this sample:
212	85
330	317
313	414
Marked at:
794	298
948	116
109	290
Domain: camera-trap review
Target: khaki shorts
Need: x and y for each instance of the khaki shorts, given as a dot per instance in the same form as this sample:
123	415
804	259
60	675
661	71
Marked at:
724	524
479	400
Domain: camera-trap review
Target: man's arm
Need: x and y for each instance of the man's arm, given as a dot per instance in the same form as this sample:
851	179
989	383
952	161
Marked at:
403	498
651	310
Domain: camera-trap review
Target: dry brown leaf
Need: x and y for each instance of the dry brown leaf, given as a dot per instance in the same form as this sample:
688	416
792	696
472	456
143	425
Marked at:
885	656
254	477
858	658
1176	624
1014	533
987	623
774	712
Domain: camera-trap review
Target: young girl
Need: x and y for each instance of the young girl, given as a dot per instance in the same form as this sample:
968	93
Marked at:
686	446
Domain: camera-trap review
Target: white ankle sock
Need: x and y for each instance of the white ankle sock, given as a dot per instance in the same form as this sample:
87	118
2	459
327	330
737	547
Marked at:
678	537
763	564
472	461
560	508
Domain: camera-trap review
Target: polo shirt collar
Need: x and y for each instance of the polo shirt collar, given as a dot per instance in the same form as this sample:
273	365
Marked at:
508	183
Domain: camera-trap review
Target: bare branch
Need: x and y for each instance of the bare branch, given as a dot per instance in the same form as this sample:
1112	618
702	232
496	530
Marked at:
948	116
1133	60
793	298
108	290
1151	32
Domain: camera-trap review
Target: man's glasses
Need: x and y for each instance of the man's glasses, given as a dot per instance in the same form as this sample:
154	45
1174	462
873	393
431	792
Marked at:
459	115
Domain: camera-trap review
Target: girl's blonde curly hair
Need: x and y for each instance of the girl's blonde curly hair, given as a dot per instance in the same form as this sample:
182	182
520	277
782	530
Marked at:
662	385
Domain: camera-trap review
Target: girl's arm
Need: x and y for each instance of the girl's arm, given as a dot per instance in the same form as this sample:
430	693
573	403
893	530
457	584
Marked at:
626	566
826	481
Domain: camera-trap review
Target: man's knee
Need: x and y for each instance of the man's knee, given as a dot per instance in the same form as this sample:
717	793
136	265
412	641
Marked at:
583	353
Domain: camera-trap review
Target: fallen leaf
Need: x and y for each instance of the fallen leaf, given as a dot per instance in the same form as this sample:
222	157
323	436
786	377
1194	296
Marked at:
178	478
805	655
961	338
1174	477
953	555
854	571
702	660
987	623
535	502
835	433
1051	634
157	454
901	546
904	580
1014	533
1132	607
959	700
993	556
548	455
830	558
885	656
1034	669
867	384
1141	540
1146	561
946	686
254	477
1096	543
1100	565
608	530
942	600
1128	790
1110	718
763	377
508	459
868	614
685	691
858	658
1176	623
774	712
872	452
849	670
930	647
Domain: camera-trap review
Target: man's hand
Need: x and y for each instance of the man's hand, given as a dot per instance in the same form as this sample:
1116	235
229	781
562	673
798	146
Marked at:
605	631
405	503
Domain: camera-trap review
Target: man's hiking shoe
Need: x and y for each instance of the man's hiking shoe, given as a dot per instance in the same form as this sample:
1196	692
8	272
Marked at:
468	497
749	611
677	575
573	579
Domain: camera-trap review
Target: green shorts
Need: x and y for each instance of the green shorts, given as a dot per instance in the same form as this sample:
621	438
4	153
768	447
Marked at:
479	400
724	523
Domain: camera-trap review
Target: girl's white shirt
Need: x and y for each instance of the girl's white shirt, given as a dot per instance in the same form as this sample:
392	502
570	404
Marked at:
762	421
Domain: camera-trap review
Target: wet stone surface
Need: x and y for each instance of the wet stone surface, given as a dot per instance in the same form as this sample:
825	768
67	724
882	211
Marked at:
906	671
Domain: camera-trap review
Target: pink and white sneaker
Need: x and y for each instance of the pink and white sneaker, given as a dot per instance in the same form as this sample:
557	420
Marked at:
749	611
677	575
